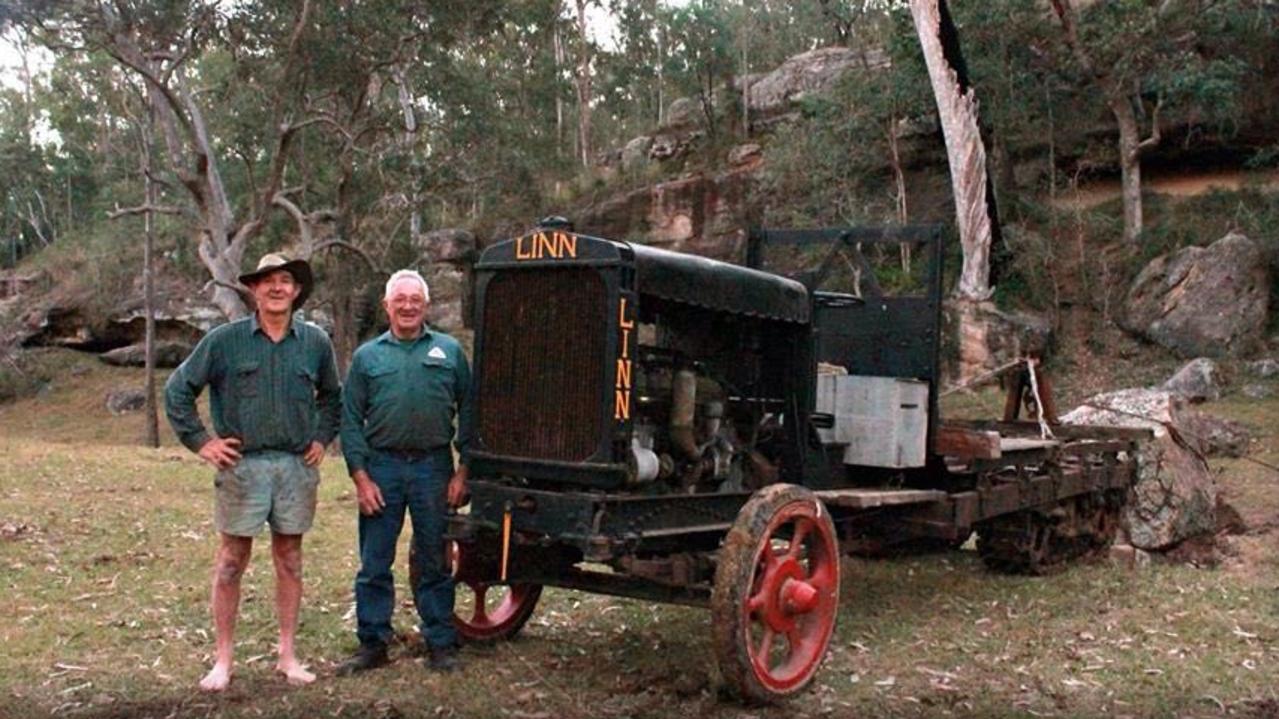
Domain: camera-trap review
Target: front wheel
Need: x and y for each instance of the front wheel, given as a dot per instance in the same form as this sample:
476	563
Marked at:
485	609
776	593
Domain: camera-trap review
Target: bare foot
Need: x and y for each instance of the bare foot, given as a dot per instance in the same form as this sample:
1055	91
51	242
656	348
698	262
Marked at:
294	673
217	679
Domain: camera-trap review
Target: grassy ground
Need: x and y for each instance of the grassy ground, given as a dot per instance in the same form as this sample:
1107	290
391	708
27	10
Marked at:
104	560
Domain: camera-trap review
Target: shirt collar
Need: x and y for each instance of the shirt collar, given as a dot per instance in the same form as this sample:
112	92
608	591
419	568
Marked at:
254	326
389	338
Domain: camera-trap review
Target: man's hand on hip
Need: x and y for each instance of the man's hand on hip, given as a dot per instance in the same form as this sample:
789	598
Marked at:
221	453
367	494
314	454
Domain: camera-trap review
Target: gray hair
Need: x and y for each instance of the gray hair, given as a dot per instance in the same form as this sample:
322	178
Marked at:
407	275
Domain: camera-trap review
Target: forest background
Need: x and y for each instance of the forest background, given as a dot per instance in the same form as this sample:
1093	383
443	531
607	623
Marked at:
192	137
347	132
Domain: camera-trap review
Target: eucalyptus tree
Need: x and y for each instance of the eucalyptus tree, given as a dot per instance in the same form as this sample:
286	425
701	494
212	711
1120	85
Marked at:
701	53
1151	60
265	110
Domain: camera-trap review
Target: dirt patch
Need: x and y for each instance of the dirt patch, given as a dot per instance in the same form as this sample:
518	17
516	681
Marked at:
1175	185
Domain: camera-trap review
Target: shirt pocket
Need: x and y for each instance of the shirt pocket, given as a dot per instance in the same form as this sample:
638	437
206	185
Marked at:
439	376
246	379
381	382
302	383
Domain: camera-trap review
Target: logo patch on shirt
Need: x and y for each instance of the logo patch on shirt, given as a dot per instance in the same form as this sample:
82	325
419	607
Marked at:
436	352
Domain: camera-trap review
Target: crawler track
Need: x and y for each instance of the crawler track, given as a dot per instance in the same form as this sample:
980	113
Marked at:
1042	540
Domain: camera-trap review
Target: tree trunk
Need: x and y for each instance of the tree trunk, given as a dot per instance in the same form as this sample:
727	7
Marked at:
559	101
965	151
148	294
1129	165
583	77
899	183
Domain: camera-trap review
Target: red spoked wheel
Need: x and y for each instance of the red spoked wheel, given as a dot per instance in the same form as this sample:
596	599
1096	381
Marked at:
776	593
488	610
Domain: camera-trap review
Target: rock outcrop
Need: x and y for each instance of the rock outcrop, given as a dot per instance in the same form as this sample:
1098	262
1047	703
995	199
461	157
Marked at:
446	256
1197	381
1175	496
167	354
700	214
813	72
1202	301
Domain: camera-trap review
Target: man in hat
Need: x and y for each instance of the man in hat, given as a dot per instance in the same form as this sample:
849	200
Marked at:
403	392
275	402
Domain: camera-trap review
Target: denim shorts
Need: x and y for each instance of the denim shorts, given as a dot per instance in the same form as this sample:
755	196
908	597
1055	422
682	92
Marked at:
269	487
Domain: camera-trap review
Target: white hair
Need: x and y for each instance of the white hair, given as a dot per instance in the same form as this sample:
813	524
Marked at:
407	275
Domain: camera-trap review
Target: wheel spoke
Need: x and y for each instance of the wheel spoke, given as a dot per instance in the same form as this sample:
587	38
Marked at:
794	640
756	602
821	575
802	528
480	613
762	656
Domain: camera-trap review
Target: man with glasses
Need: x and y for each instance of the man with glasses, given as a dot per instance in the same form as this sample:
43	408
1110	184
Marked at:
405	389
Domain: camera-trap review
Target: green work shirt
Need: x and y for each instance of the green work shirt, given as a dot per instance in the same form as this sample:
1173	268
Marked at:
404	396
269	395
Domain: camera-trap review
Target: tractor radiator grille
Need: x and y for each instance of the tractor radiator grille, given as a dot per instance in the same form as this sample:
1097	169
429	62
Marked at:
540	392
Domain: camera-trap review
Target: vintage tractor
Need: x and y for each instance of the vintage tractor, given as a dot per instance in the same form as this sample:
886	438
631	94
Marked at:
663	426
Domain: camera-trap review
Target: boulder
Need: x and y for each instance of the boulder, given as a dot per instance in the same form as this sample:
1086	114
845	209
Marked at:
635	153
1196	381
1257	391
812	72
1175	496
446	245
1263	368
1214	436
667	147
683	113
448	293
120	401
167	354
1202	301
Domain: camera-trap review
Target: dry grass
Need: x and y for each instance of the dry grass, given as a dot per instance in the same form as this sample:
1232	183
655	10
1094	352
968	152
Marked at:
106	549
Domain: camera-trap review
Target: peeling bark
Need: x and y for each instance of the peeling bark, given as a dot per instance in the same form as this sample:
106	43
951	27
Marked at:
957	109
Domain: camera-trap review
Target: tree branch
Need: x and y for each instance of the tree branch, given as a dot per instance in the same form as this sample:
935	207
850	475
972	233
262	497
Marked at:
119	212
303	223
343	244
1155	136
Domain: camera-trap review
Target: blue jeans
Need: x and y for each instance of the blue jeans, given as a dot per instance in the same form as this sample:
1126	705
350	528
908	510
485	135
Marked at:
420	487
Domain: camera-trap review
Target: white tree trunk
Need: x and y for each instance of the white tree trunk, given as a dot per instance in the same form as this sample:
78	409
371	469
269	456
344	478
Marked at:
965	152
1129	165
583	88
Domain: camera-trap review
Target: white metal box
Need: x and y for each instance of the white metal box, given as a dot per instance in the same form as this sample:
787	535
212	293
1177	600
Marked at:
880	421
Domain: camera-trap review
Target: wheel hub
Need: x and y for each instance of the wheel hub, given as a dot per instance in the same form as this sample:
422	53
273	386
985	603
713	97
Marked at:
786	595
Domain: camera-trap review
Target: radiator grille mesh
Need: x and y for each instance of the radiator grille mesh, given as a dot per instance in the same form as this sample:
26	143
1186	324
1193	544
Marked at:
544	337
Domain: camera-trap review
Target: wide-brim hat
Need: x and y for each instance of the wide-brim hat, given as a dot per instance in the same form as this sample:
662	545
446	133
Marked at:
273	261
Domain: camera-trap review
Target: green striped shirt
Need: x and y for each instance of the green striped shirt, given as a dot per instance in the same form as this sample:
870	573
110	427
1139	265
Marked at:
405	395
269	395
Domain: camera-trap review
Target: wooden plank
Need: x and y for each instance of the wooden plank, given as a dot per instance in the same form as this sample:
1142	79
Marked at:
866	498
1021	444
965	443
1062	431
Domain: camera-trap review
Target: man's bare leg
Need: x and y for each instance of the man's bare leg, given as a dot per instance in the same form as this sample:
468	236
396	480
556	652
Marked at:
286	550
228	567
